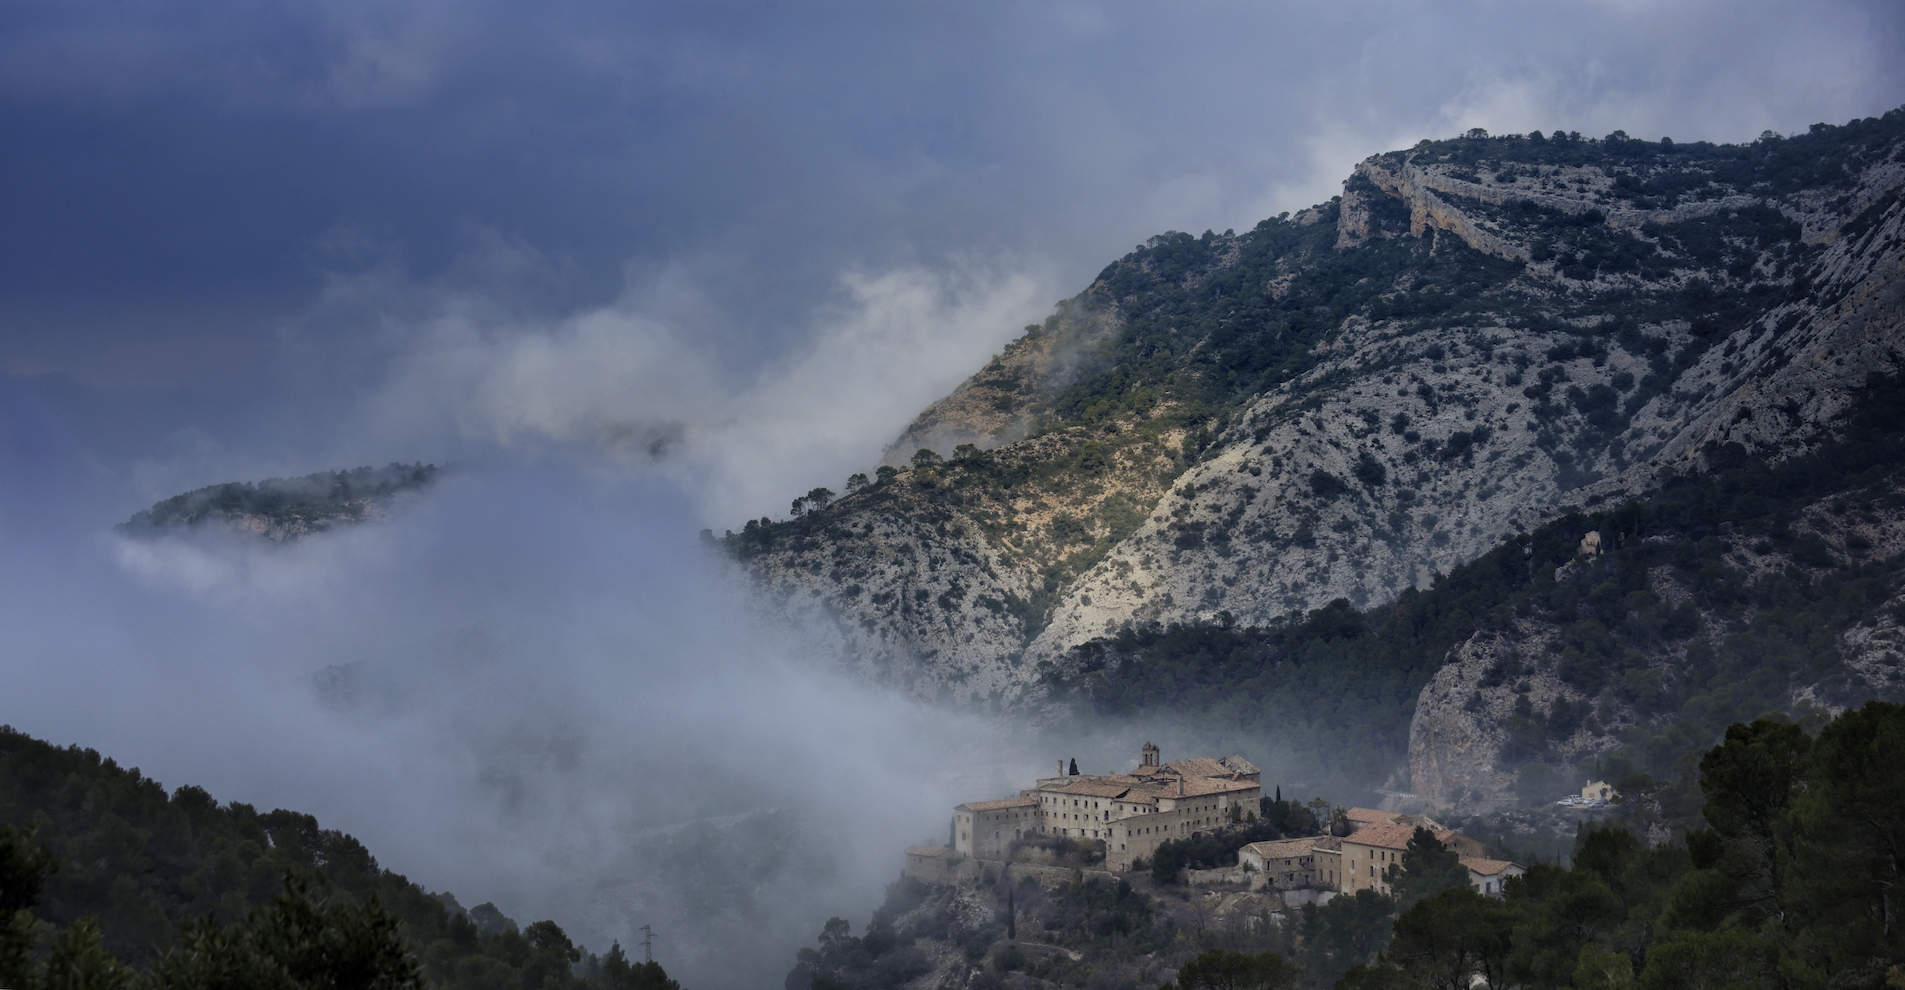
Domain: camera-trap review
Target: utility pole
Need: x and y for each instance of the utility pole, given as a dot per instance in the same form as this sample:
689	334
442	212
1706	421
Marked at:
648	944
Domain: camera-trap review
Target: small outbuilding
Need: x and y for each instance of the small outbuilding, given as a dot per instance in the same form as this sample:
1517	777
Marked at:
1488	875
927	863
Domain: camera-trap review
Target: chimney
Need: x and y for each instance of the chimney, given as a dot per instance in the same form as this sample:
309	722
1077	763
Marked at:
1061	768
1180	787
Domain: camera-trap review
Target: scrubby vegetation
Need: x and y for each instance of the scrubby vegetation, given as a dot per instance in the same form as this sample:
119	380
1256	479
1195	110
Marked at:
1163	355
108	881
1349	678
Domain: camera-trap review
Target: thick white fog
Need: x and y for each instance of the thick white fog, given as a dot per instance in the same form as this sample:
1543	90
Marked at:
534	688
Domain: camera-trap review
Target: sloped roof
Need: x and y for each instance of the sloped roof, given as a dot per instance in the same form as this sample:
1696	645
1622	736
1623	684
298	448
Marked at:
1199	766
1199	788
1370	816
1239	764
1283	848
999	805
1489	867
1087	788
1392	836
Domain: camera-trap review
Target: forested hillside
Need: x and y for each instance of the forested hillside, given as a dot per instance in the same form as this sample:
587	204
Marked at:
107	880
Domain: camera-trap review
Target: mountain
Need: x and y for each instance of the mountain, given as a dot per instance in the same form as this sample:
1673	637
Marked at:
1280	478
284	509
1479	337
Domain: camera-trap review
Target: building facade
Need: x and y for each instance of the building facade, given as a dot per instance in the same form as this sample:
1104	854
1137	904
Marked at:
1488	875
1369	851
985	829
1329	862
1286	864
1131	813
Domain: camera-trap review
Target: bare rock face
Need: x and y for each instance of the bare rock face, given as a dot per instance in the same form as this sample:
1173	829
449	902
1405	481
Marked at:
1356	493
1457	736
930	579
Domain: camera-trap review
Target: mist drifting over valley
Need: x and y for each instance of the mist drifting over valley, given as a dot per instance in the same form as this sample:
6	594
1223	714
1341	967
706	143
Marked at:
629	273
537	690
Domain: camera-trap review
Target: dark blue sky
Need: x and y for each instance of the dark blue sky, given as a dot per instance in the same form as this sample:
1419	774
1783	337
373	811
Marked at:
226	222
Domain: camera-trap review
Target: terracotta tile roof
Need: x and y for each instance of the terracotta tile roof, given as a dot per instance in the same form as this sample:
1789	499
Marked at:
1283	848
1088	788
1199	766
1239	764
1329	843
1370	816
999	805
1199	788
1488	867
1392	836
932	851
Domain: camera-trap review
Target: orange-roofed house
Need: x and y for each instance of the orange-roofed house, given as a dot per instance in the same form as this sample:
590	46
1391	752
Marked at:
1488	875
1359	817
1369	851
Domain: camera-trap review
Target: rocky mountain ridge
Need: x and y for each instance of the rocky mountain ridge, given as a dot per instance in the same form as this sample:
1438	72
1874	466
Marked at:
1479	336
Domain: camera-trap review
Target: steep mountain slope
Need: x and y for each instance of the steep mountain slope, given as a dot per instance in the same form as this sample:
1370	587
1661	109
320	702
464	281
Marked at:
1478	336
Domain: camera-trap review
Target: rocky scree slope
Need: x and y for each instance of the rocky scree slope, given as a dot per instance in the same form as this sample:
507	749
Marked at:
1478	336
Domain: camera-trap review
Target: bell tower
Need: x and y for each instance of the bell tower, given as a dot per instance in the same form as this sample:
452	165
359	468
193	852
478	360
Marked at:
1150	752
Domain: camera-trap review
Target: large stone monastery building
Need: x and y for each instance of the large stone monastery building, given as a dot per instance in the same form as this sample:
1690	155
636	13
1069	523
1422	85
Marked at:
1131	813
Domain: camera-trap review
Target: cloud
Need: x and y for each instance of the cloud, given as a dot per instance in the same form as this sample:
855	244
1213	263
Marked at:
534	688
635	391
